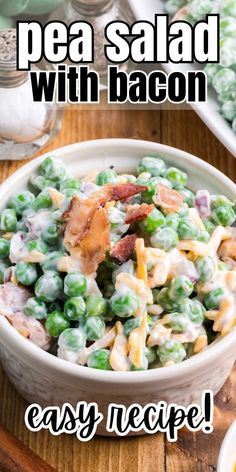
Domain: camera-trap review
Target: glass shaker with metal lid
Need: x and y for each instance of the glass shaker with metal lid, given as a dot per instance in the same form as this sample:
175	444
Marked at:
99	13
25	126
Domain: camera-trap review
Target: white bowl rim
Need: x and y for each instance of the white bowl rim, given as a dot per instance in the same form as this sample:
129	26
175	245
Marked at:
42	358
224	447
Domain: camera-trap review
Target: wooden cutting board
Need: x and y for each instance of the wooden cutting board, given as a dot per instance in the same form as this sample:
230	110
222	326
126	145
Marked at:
193	452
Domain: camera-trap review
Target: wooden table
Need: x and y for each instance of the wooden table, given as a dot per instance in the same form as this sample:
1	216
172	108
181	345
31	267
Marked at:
196	453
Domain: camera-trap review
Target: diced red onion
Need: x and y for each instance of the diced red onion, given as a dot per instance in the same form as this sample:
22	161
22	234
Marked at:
203	203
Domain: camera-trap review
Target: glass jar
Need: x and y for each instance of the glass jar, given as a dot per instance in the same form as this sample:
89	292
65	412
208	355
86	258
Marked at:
25	125
98	13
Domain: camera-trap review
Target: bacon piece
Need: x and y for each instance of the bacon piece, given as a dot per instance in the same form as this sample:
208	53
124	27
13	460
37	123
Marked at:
139	213
94	245
12	298
123	249
168	199
228	249
80	214
125	191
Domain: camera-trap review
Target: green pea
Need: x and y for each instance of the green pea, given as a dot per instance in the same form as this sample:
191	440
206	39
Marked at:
220	200
130	325
203	236
165	238
26	273
8	220
200	8
72	339
94	328
176	176
206	267
178	322
42	201
186	229
130	178
183	212
4	248
40	183
171	351
154	220
227	60
70	183
229	8
37	245
181	287
116	217
172	221
56	323
211	70
99	360
222	266
230	95
188	196
210	226
35	308
195	311
75	308
225	78
95	305
167	303
107	176
212	299
22	202
228	110
51	261
153	165
53	169
49	287
224	215
148	195
75	284
124	305
3	268
50	234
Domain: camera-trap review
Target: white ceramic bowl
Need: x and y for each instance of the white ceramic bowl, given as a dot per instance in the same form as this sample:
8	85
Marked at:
45	379
227	457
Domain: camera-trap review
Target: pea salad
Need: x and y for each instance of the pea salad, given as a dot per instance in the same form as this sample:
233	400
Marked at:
118	272
222	76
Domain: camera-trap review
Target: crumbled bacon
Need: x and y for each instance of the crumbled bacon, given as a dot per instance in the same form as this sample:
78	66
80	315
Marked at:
138	213
123	249
228	249
125	191
94	245
12	298
168	199
80	215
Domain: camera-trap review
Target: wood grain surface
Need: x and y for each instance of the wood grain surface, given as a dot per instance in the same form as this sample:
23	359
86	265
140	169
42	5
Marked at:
193	452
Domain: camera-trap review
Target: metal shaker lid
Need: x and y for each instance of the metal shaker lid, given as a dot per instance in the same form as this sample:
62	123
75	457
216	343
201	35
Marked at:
9	75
